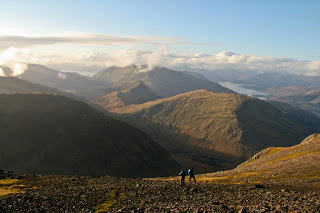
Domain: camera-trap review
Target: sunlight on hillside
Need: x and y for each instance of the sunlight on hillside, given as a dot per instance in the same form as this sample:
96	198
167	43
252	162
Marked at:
8	186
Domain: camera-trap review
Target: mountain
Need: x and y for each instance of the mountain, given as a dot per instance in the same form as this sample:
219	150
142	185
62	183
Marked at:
196	75
308	120
66	81
307	98
220	75
53	134
87	70
162	81
11	85
212	131
135	93
275	79
6	71
294	165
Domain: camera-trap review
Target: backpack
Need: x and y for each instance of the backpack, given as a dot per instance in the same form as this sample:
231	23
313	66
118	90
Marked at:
189	171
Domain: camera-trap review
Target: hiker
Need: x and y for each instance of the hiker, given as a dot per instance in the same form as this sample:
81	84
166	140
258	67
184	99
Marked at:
190	172
183	176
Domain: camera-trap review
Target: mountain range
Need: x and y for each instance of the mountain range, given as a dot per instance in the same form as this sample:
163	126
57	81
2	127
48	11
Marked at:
162	81
307	98
199	122
70	82
279	79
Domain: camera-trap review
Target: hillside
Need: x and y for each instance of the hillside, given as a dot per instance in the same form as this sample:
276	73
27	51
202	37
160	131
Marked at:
196	75
11	85
290	165
135	93
6	70
65	81
308	120
212	131
52	134
307	98
162	81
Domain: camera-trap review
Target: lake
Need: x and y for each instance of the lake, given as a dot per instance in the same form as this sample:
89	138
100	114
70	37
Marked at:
239	88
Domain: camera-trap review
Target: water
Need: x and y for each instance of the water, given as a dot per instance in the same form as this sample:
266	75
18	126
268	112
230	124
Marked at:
242	90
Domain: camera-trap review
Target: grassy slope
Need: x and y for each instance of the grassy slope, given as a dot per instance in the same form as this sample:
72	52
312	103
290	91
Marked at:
212	128
52	134
296	164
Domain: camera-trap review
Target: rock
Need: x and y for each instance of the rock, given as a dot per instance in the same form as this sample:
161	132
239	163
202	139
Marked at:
193	189
259	186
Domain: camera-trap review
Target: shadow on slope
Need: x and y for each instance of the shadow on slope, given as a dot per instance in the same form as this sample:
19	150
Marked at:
52	134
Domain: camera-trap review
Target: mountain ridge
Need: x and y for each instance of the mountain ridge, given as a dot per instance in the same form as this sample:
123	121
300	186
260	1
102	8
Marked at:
53	134
162	81
216	126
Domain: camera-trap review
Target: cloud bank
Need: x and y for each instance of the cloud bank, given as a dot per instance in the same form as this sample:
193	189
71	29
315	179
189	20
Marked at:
162	57
224	61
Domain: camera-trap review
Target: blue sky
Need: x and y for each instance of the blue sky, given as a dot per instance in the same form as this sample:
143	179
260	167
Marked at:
265	28
265	35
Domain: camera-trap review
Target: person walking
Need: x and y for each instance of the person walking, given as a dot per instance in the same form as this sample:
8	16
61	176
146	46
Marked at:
190	172
183	176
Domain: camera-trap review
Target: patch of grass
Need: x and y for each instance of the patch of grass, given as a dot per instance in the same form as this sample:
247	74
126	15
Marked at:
246	174
7	187
113	196
8	181
236	178
294	155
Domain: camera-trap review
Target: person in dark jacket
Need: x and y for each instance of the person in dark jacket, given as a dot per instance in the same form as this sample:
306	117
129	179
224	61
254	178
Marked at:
183	176
190	172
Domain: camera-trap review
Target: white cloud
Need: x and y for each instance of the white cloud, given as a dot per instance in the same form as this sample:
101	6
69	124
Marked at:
23	40
2	72
228	60
132	56
162	57
18	69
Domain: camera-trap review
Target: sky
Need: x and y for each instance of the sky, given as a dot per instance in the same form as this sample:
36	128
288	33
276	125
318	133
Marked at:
281	35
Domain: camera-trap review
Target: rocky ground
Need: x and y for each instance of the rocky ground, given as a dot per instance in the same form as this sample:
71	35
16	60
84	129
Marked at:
106	194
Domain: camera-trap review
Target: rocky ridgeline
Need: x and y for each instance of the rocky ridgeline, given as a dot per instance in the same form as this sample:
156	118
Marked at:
106	194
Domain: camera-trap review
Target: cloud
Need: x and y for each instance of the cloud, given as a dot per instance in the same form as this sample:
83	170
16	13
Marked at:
229	60
82	38
18	69
2	72
16	60
162	57
133	56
